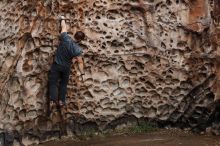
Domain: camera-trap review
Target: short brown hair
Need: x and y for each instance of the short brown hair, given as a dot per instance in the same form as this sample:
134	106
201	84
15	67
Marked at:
79	36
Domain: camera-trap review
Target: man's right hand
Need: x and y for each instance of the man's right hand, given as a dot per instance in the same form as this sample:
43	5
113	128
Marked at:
61	18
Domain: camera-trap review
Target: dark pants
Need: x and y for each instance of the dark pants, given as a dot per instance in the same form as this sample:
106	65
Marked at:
58	73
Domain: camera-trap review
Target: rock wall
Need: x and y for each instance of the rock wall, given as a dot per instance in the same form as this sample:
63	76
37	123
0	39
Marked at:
144	59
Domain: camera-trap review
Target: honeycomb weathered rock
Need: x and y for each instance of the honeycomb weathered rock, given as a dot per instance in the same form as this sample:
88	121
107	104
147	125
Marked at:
156	59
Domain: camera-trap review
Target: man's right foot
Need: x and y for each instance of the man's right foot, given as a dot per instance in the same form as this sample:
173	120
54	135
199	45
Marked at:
62	104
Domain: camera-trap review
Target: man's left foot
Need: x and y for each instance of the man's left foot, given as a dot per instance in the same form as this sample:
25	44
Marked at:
52	105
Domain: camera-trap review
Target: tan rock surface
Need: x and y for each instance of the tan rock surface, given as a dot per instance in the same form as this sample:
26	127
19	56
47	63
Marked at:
153	59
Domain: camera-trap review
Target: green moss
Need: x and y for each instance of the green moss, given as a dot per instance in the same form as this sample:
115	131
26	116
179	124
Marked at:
133	129
143	128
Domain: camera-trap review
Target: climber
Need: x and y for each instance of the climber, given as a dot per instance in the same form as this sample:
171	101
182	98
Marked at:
60	69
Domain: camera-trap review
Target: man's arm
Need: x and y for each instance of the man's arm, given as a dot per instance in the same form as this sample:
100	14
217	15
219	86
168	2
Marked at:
81	65
63	24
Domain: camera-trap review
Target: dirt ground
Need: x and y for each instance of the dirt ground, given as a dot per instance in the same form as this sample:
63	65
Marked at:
159	138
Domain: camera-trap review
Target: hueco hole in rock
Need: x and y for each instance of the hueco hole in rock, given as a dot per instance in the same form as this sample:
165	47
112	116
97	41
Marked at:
144	60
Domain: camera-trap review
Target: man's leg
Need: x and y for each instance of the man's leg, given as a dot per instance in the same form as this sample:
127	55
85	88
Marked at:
63	84
53	79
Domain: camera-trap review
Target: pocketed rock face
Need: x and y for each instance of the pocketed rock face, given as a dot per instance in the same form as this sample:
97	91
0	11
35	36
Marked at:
153	59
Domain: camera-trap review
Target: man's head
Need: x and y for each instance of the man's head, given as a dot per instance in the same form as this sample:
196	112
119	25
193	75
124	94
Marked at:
79	36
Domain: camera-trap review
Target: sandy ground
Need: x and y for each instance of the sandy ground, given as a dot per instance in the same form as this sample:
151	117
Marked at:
159	138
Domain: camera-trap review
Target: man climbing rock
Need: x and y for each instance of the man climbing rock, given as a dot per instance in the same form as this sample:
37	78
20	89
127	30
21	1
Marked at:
60	69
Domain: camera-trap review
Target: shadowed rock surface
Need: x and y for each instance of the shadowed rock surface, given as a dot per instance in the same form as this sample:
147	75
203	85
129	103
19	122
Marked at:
145	59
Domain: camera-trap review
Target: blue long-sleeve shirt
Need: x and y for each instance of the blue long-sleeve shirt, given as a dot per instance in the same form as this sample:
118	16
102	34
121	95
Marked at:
66	50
